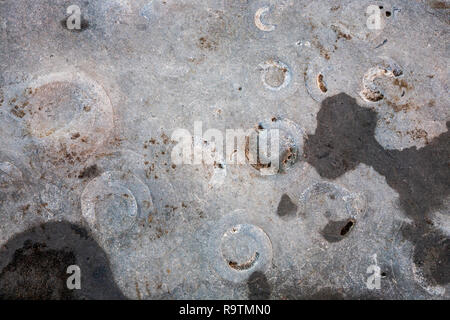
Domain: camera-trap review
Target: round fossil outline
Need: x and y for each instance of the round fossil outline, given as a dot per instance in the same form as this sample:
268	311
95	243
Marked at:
21	175
236	222
355	203
25	181
90	115
130	161
257	19
317	82
129	184
415	272
265	19
292	130
385	68
325	77
284	63
87	86
264	67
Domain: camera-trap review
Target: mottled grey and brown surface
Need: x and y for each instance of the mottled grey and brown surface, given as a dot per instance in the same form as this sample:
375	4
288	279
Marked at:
87	177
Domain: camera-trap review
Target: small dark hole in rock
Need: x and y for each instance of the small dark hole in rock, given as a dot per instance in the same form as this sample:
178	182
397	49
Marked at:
347	227
388	13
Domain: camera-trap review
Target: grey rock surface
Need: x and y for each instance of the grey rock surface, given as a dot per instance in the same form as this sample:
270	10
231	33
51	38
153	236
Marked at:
86	124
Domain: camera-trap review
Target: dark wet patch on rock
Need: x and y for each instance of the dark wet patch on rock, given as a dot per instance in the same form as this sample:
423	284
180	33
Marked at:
345	137
344	131
44	272
431	252
258	286
34	265
286	208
